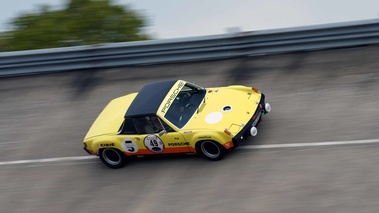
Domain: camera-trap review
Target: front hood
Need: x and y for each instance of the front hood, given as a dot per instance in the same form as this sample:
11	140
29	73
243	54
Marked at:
225	108
110	119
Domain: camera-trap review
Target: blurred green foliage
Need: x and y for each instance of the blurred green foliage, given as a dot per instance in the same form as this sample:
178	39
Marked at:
80	22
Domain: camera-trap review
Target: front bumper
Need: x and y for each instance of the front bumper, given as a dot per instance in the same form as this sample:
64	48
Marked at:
254	121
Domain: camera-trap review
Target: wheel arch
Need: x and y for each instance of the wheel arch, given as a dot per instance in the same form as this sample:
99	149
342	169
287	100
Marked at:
101	142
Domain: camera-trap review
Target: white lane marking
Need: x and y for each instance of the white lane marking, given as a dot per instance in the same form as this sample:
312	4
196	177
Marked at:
294	145
268	146
47	160
56	164
12	142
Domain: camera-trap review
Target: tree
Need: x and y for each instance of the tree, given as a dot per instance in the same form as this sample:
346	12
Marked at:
80	22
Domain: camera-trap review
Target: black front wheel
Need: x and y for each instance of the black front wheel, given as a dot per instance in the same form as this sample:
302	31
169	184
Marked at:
211	150
113	158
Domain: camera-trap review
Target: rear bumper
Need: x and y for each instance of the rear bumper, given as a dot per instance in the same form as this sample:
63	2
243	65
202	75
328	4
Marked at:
90	152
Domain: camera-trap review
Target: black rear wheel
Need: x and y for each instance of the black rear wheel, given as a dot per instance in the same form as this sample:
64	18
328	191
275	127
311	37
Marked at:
112	158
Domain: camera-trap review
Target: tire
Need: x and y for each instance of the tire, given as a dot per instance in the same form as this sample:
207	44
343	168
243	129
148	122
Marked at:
112	158
210	150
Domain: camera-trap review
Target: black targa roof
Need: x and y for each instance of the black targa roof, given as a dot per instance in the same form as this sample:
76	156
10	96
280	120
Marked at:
149	98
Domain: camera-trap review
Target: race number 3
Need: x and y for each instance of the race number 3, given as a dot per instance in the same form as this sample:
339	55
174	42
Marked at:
154	143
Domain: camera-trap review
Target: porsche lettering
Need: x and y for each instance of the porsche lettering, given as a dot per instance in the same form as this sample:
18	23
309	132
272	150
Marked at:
172	97
179	144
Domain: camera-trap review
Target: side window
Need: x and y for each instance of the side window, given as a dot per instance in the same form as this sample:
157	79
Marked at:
128	127
148	124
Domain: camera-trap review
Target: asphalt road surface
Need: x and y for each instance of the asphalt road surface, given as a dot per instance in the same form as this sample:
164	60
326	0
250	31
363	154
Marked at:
327	96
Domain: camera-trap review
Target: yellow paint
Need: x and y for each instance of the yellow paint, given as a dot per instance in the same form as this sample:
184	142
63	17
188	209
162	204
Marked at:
241	99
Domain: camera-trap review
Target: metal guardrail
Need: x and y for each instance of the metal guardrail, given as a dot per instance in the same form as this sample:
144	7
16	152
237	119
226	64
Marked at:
285	40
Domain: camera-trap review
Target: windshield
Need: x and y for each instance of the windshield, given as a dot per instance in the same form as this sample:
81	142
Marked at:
185	104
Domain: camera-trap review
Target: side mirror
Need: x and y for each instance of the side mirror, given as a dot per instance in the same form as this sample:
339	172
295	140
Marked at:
162	132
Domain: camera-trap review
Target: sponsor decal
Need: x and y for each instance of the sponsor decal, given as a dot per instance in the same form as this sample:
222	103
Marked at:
154	143
179	144
128	145
205	137
105	144
172	97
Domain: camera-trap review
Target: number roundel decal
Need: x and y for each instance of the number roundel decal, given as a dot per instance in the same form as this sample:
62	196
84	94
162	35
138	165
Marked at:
129	146
154	143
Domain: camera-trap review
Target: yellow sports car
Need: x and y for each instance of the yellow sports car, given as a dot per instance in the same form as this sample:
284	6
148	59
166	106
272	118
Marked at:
175	117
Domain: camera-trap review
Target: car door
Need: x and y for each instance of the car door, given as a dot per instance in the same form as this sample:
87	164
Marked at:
161	138
173	142
146	144
149	135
